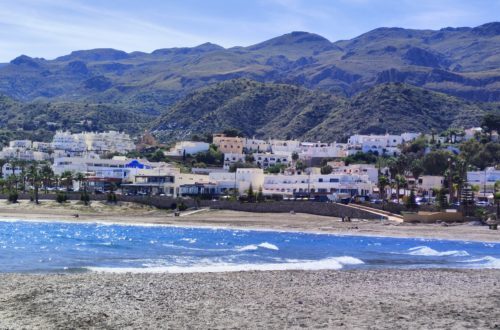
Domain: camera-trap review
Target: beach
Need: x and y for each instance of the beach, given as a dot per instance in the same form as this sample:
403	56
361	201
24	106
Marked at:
128	213
385	299
329	299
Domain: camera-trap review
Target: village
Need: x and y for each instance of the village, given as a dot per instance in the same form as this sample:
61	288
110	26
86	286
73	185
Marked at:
231	166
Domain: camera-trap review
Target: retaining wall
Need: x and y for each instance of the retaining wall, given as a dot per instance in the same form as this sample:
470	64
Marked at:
317	208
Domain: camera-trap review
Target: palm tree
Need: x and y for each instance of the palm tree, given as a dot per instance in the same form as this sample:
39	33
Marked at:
67	177
34	176
383	182
400	181
80	177
47	175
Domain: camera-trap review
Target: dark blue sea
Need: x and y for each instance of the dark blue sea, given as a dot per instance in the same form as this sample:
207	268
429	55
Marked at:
41	247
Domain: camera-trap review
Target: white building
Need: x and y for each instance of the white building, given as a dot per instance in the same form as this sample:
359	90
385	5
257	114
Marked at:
100	143
357	169
187	147
284	146
484	179
25	150
265	160
379	144
317	184
232	158
8	170
255	145
240	180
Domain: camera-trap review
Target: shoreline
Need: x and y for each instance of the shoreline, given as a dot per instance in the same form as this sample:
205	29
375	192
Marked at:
109	222
232	220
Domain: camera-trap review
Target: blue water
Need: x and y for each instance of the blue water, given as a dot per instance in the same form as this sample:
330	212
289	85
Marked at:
27	246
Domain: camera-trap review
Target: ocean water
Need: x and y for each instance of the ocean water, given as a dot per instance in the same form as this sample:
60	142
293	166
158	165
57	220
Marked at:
39	247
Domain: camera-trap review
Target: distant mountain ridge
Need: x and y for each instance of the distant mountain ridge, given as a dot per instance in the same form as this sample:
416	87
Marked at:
283	111
463	62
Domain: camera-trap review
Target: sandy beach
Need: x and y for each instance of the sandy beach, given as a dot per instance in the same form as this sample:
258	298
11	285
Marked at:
127	213
350	299
388	299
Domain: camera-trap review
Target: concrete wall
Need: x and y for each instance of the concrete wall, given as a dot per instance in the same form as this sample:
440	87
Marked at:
326	209
432	217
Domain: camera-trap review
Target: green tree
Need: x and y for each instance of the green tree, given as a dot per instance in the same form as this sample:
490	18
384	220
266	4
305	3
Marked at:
35	179
491	123
327	169
383	182
411	202
67	177
260	195
250	194
436	162
47	175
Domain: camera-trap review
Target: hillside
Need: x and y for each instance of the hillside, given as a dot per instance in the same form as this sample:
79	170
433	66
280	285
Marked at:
464	62
39	120
280	111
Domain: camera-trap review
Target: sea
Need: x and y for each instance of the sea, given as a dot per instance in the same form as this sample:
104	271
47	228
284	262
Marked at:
63	247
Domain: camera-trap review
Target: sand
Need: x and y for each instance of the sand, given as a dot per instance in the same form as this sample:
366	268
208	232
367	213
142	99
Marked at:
388	299
361	299
128	213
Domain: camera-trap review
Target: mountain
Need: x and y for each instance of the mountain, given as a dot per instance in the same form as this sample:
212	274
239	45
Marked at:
283	111
463	62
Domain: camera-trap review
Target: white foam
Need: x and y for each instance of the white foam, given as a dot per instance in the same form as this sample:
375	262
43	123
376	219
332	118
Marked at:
427	251
486	262
329	263
269	246
250	247
189	240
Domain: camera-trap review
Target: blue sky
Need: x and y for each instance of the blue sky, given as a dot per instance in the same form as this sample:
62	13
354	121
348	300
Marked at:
50	28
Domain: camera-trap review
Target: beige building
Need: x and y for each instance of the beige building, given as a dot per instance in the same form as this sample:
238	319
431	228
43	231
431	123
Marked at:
228	144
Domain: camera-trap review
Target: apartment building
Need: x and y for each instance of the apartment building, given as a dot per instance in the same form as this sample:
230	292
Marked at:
227	144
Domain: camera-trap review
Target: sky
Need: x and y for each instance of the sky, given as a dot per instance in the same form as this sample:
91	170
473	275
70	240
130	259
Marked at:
52	28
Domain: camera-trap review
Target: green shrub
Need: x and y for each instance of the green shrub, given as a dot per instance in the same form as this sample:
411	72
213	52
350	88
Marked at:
61	197
13	196
182	206
111	197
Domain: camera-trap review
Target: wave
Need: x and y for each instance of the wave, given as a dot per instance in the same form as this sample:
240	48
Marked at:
329	263
485	262
189	240
427	251
253	247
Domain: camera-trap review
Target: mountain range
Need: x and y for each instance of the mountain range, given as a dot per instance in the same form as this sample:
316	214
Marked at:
299	84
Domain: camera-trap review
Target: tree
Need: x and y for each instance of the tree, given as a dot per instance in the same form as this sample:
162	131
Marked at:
250	193
249	158
327	169
295	156
491	123
436	162
416	168
300	166
400	181
411	202
35	178
80	177
232	132
67	177
383	182
260	195
237	165
47	175
441	198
